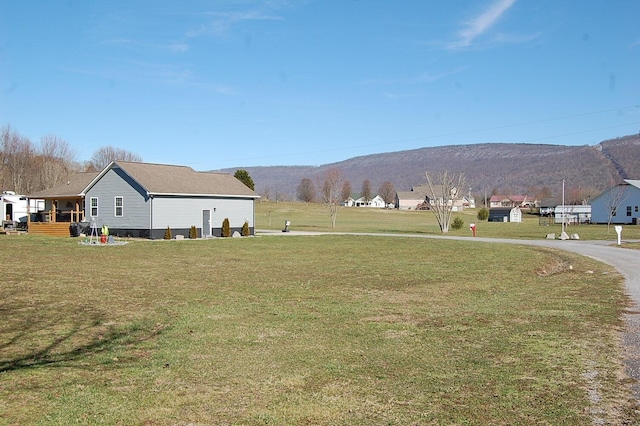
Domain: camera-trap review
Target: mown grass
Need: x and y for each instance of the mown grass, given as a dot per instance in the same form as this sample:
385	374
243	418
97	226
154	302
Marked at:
315	217
317	330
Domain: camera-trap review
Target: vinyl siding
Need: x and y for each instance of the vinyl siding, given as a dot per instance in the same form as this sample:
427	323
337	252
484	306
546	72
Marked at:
135	203
157	212
184	212
600	206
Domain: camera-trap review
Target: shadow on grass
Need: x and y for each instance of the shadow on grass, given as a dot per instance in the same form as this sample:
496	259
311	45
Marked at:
54	343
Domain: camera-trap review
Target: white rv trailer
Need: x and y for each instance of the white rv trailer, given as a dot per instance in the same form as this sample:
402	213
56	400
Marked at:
16	208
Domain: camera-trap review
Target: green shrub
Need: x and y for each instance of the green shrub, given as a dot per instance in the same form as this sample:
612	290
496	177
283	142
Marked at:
483	214
226	228
457	223
245	229
167	234
193	233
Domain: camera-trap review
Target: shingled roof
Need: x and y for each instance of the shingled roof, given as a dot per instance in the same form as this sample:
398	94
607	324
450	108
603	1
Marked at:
74	187
156	179
163	179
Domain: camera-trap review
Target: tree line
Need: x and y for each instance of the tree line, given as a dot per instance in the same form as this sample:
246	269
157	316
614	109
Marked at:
333	181
27	167
335	190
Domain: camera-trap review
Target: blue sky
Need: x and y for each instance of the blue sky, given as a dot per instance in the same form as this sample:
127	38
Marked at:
218	84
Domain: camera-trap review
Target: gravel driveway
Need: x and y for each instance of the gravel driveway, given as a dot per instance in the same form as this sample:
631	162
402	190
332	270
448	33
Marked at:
627	262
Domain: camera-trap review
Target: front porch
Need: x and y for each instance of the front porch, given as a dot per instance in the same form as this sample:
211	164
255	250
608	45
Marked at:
56	219
50	229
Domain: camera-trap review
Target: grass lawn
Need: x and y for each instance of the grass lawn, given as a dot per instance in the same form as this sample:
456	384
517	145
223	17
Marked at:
315	217
322	330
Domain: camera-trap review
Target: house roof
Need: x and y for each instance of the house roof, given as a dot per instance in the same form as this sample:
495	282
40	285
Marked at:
549	202
410	195
164	179
156	179
502	209
627	182
74	187
370	199
633	182
515	198
421	190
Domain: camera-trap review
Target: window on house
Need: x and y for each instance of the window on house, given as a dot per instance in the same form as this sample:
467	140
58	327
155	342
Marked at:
628	210
614	211
636	209
94	206
119	206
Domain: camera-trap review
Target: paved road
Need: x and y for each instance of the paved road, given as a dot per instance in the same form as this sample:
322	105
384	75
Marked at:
626	261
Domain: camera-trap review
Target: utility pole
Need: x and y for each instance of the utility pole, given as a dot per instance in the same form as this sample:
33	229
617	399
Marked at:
562	205
563	235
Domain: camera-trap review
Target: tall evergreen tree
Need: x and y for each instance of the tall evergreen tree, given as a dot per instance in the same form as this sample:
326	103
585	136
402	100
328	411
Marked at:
243	176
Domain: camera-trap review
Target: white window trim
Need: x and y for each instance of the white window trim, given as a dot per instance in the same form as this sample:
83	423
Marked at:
91	207
115	206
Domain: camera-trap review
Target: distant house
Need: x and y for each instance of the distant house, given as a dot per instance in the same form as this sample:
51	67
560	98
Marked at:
572	214
521	201
469	202
349	202
548	206
421	198
143	200
410	200
376	202
505	214
620	202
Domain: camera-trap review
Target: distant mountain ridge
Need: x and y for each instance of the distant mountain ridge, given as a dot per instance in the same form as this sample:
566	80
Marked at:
507	168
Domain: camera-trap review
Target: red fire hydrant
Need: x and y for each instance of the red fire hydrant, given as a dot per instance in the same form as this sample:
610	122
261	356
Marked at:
472	226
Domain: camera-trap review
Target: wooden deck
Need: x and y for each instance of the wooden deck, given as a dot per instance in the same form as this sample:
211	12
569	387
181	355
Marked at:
55	229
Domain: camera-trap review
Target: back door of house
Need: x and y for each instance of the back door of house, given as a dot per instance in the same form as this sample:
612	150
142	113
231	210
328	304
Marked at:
206	223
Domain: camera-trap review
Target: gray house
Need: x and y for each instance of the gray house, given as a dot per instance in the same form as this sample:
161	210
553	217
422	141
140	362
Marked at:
620	203
142	200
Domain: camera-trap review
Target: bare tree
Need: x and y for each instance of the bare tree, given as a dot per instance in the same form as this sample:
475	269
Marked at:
306	191
331	186
443	194
578	195
614	198
388	193
366	191
266	194
17	166
56	160
346	191
105	155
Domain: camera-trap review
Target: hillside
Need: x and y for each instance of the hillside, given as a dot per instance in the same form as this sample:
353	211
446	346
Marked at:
504	168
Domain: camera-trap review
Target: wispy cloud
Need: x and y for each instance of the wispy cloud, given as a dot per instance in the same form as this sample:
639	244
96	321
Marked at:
481	24
394	95
425	77
173	47
136	71
221	22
